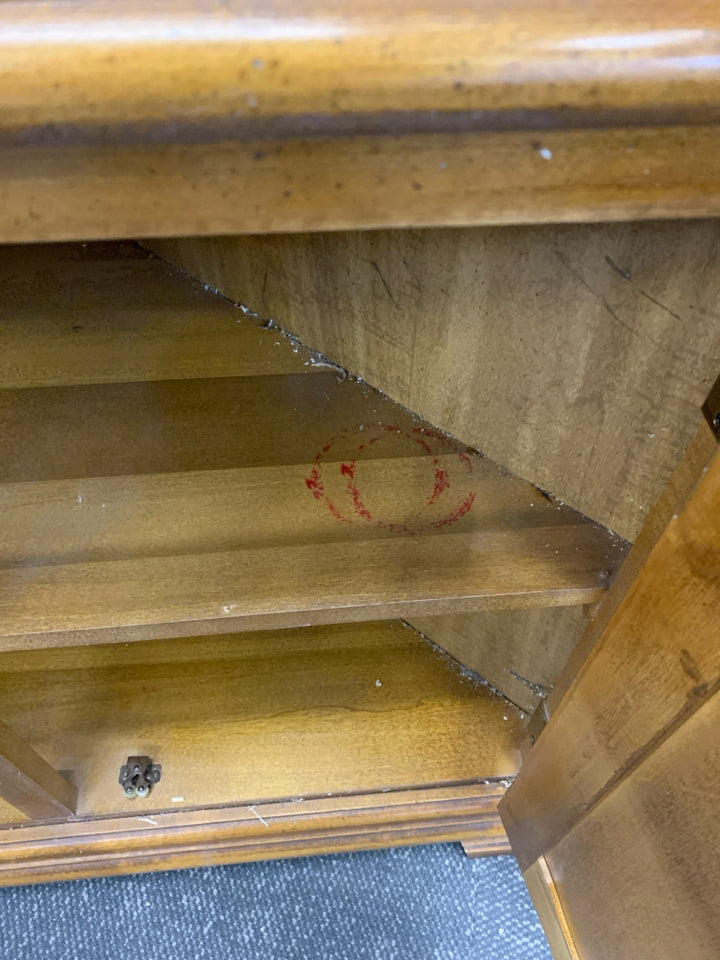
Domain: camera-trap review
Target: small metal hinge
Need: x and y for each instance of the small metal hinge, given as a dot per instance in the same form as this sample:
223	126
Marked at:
138	775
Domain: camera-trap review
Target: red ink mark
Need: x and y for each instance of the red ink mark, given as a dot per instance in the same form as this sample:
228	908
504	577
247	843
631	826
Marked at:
315	484
335	512
444	475
442	483
464	507
360	507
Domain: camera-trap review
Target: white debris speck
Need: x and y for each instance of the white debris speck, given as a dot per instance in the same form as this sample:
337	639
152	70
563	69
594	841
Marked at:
545	153
378	682
178	799
79	498
229	606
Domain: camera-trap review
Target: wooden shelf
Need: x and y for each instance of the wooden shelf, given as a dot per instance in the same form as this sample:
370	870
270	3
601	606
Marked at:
254	497
277	743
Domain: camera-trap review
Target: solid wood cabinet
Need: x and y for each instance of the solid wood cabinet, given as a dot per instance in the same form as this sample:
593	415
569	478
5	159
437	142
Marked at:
344	353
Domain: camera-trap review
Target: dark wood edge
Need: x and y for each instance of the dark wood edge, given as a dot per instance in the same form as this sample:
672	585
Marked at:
29	783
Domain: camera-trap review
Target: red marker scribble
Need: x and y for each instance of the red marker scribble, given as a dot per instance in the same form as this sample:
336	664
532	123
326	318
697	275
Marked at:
442	483
464	507
348	470
315	484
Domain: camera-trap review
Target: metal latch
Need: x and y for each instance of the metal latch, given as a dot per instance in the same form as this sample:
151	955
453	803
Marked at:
138	775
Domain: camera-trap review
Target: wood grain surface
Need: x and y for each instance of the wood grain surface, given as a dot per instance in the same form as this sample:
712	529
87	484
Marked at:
109	313
28	782
543	890
266	716
263	831
521	652
656	663
194	503
639	876
578	356
186	118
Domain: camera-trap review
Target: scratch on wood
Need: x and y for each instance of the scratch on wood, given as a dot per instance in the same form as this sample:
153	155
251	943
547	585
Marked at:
383	281
625	274
581	279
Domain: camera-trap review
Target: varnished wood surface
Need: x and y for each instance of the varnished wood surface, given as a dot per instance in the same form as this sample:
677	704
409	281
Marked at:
28	782
481	846
184	70
263	831
266	716
639	876
120	600
577	356
673	500
414	181
191	504
185	118
521	652
543	891
656	663
108	313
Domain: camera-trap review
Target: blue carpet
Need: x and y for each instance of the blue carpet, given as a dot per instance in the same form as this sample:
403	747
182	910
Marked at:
421	903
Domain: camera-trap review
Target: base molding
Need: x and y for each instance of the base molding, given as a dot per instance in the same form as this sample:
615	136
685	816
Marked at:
162	840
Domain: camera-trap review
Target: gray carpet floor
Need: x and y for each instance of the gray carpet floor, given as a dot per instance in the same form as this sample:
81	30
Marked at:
421	903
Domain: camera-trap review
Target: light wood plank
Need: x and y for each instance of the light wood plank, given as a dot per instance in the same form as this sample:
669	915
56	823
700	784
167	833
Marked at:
657	661
639	876
102	430
303	713
29	783
265	588
205	511
107	313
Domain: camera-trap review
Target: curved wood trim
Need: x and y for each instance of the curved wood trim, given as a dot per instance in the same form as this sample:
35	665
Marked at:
183	118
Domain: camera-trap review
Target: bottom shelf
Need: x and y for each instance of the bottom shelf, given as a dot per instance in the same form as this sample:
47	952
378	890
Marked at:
272	744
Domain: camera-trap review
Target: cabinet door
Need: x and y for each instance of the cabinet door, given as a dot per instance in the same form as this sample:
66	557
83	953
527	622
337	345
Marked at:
614	815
